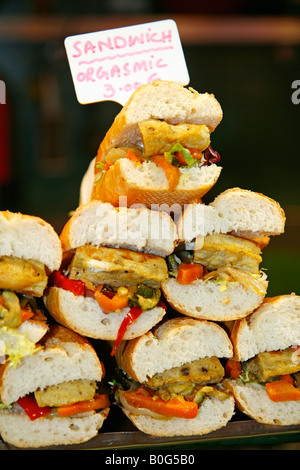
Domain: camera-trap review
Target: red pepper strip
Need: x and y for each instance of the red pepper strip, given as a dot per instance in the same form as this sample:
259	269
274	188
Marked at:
30	406
59	280
162	305
130	317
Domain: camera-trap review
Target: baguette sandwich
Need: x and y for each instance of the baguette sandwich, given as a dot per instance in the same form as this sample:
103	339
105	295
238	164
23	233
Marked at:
215	270
30	251
52	397
158	150
264	375
173	378
109	284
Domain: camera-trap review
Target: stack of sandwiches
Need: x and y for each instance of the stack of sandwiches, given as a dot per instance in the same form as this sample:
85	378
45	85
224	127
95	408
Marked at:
50	377
175	286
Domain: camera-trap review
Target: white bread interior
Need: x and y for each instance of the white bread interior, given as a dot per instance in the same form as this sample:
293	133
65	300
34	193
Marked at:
274	325
33	330
204	299
147	184
65	356
237	211
30	238
85	316
173	343
137	229
253	400
212	414
19	431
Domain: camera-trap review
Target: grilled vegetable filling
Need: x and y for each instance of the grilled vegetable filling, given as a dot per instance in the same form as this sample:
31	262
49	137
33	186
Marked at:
66	393
116	278
278	370
116	267
63	400
16	308
177	392
188	380
222	258
23	276
170	147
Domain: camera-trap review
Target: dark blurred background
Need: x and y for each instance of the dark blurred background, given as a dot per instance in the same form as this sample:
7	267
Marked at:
247	53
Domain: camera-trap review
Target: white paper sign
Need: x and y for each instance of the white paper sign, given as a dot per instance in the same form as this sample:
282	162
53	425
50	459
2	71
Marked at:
109	65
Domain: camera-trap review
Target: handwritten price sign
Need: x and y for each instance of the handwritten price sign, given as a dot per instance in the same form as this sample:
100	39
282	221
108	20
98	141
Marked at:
109	65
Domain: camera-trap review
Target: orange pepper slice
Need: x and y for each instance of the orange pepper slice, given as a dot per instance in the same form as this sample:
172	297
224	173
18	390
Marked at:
172	172
99	402
174	408
187	273
133	157
281	390
117	302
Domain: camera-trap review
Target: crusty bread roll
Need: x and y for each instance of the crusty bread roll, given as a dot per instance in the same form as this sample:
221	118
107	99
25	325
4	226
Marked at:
213	414
29	237
19	431
64	357
146	183
248	218
174	343
253	400
163	100
102	224
274	327
84	315
237	211
30	250
138	230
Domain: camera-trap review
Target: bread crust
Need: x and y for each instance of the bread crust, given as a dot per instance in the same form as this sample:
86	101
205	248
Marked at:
153	352
236	211
138	229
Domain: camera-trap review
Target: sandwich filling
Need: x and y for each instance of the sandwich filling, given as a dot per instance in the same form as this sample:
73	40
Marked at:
23	276
177	392
22	324
278	371
221	258
170	147
116	278
63	400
